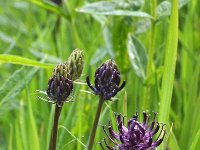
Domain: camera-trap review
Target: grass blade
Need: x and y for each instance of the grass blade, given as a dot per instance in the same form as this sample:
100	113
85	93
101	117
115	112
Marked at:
23	61
169	65
10	143
15	84
78	140
195	141
32	128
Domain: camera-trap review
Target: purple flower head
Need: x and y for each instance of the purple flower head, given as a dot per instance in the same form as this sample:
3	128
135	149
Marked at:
137	136
60	85
107	80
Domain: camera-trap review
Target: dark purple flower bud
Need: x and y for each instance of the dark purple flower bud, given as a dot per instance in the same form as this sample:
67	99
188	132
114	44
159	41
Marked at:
60	85
107	80
136	136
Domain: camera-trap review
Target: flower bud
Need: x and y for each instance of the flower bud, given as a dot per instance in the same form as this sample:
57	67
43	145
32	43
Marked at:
107	80
75	64
60	85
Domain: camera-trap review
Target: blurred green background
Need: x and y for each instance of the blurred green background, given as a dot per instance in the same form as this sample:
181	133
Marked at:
139	35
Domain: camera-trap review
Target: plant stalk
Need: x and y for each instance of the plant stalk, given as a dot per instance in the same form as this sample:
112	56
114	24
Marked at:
94	128
150	64
52	144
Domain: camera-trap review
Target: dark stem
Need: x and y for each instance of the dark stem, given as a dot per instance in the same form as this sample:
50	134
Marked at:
52	144
92	136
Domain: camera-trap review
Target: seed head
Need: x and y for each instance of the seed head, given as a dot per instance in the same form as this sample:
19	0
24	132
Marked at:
75	63
107	80
137	136
60	85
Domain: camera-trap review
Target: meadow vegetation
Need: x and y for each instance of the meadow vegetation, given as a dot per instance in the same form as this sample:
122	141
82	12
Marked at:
155	45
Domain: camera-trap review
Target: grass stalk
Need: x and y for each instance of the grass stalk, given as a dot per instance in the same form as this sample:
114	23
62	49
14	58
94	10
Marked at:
94	128
150	63
55	35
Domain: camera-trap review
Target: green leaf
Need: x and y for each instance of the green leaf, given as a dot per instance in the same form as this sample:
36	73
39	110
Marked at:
119	13
18	136
23	61
48	58
15	84
49	126
51	7
103	6
137	56
110	8
195	141
135	4
191	123
47	5
78	140
108	41
164	8
23	125
31	124
143	25
169	66
173	142
98	55
156	75
10	142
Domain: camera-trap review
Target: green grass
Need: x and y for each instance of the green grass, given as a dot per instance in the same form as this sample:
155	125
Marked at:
155	45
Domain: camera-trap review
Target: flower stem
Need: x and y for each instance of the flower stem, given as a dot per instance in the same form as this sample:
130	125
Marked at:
92	136
52	144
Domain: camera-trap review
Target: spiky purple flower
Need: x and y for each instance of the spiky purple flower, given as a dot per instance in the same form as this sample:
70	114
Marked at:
60	85
137	136
107	80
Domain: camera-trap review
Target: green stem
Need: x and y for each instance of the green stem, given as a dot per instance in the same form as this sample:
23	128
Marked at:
125	108
150	63
92	136
52	144
55	35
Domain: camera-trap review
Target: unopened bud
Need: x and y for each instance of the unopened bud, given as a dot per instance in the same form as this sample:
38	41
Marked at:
75	64
107	80
60	85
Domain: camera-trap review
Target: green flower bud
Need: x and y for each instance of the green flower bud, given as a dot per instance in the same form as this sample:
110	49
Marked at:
60	85
62	70
75	64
